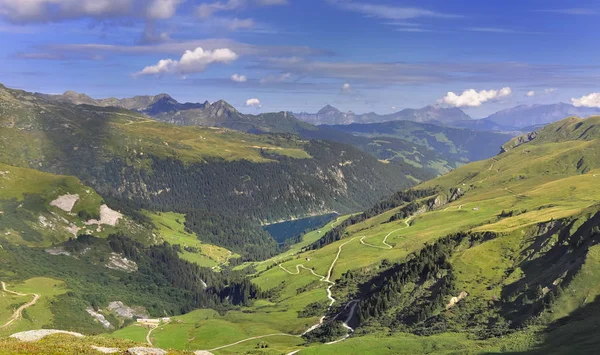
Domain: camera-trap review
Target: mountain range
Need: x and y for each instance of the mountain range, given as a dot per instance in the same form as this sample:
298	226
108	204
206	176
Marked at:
109	216
165	108
330	115
412	149
520	118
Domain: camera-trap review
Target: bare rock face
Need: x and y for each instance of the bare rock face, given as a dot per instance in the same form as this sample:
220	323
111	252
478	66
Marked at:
146	351
35	335
105	350
119	262
455	300
65	202
124	311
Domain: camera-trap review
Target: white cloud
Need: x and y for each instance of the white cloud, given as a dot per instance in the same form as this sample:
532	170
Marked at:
545	92
161	9
253	103
194	61
30	11
473	98
591	100
573	11
237	24
388	12
346	87
239	78
209	9
276	78
272	2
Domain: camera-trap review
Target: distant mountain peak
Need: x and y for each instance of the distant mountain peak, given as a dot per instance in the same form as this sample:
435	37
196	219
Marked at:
328	109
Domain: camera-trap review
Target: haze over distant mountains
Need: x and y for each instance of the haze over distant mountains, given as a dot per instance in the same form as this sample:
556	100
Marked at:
517	118
330	115
165	108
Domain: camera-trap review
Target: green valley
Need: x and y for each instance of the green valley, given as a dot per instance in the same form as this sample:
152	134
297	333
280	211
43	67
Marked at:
496	256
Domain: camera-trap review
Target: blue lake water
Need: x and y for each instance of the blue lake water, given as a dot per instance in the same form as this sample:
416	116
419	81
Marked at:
285	230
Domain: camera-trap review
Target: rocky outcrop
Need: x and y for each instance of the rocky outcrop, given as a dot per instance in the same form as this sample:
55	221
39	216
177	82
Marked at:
146	351
35	335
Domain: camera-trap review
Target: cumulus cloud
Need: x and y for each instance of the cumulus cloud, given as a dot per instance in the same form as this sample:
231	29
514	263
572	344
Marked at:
346	87
253	103
239	78
531	93
194	61
591	100
473	98
32	11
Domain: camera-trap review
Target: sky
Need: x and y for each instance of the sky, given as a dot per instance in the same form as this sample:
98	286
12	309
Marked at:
299	55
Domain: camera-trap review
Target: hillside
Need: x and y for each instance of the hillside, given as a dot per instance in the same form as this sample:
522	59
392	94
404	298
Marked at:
409	148
137	163
531	115
458	145
496	256
330	115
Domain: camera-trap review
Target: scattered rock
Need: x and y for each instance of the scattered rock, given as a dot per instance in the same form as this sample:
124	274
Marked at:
65	202
124	311
57	251
35	335
73	229
105	350
100	318
146	351
107	216
118	262
455	300
44	222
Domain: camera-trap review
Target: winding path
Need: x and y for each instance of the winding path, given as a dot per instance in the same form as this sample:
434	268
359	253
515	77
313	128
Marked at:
352	304
19	312
254	338
152	328
387	246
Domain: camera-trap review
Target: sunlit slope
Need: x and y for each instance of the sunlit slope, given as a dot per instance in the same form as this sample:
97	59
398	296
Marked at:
532	184
41	209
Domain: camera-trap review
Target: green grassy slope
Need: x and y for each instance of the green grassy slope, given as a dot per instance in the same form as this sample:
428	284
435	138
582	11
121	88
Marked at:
454	144
28	218
135	162
541	204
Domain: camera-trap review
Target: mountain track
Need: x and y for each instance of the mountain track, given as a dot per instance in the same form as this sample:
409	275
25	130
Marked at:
327	279
19	312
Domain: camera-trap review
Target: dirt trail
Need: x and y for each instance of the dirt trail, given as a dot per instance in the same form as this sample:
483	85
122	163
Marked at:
353	304
18	313
387	246
148	340
254	338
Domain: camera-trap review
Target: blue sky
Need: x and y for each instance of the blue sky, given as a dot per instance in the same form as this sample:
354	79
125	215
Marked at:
298	55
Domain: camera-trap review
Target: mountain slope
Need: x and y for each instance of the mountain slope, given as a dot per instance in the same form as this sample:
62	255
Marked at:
500	249
330	115
232	181
460	145
531	115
